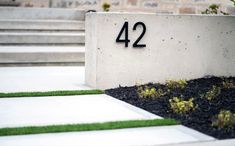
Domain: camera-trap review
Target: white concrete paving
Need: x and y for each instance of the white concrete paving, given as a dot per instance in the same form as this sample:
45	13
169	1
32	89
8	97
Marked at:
37	111
228	142
122	137
21	79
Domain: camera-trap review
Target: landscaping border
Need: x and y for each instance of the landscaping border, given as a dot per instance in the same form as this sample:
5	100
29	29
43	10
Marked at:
86	127
50	93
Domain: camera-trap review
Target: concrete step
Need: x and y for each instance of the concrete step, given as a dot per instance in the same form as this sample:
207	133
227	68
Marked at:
8	3
22	24
41	13
18	55
40	31
9	38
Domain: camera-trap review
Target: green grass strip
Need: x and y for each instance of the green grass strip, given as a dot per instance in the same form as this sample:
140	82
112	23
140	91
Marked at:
86	127
51	93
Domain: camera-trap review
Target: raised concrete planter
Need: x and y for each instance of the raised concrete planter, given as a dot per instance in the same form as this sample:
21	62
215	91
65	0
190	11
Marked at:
177	47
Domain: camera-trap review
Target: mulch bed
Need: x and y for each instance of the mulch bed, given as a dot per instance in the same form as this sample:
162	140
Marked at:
201	118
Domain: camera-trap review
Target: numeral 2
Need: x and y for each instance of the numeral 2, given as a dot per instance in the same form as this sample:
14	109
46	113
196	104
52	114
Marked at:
141	35
126	38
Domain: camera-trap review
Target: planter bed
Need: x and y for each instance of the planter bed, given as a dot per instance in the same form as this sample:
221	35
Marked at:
201	117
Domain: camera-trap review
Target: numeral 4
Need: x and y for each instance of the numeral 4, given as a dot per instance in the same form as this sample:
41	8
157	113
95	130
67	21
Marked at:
125	30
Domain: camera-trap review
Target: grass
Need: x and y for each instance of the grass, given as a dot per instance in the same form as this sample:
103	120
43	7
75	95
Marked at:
86	127
51	93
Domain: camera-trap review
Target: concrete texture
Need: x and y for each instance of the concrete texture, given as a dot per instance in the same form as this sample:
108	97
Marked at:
22	79
38	111
25	24
41	54
41	14
177	47
150	136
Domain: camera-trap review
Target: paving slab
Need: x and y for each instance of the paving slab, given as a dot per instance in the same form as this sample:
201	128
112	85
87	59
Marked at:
38	111
28	79
122	137
229	142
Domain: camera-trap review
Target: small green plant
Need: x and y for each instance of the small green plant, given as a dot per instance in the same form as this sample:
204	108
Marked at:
228	84
224	120
176	84
214	9
233	2
147	92
213	93
106	7
180	106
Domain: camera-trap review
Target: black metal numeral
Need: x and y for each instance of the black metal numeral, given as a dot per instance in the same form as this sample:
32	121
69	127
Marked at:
125	40
136	45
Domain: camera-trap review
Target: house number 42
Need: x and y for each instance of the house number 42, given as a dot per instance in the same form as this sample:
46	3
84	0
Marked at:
126	38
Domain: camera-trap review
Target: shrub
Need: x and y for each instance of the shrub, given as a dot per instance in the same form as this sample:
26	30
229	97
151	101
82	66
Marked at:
233	2
147	92
213	93
180	106
176	84
214	9
228	84
224	120
106	7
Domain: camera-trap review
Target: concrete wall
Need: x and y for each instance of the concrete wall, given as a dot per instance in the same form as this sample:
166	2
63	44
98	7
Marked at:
177	47
156	6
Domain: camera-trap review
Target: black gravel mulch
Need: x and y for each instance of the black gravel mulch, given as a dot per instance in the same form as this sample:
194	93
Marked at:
201	118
